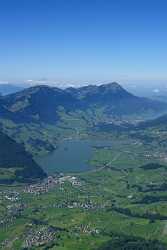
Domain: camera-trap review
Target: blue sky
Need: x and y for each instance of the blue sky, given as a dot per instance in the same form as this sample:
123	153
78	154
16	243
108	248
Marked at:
83	40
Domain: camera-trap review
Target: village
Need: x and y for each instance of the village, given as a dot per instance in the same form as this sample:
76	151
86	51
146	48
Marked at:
51	182
40	237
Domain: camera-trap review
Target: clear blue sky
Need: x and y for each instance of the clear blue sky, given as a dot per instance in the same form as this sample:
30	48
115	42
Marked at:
83	40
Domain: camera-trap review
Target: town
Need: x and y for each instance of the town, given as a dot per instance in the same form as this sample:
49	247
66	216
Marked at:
50	182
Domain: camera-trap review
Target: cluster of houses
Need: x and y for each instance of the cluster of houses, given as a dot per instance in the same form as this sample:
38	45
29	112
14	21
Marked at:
15	209
86	229
6	222
42	187
86	205
50	182
10	195
72	179
39	237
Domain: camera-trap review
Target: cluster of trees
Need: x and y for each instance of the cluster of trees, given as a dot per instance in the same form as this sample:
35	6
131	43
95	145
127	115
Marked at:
149	216
123	242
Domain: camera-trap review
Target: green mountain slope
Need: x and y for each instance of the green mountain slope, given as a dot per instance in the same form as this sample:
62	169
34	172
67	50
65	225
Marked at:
15	163
38	104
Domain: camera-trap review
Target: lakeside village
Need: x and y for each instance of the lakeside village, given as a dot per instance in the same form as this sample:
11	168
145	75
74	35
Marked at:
51	182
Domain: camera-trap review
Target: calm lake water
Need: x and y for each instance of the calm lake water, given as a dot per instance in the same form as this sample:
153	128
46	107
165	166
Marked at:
71	156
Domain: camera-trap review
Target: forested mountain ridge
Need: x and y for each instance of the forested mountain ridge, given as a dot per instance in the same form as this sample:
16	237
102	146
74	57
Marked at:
41	103
15	163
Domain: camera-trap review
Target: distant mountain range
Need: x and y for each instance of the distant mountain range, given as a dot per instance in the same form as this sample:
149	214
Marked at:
41	103
115	100
38	115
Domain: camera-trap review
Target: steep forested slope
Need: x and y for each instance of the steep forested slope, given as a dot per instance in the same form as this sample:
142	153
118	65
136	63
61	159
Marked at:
15	163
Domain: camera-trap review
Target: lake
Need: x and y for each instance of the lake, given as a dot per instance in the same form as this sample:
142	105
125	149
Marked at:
71	156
